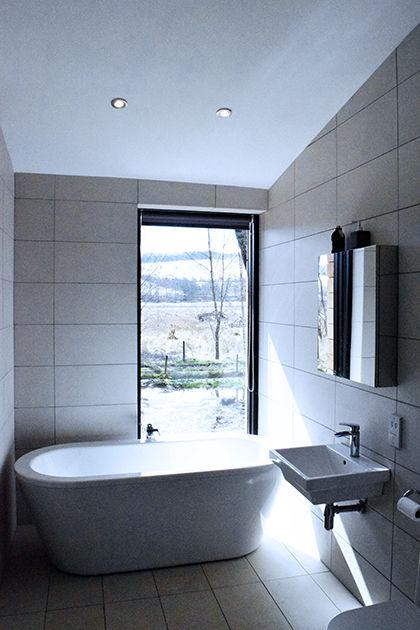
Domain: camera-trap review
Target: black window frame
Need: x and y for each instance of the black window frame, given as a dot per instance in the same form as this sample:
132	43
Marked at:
187	218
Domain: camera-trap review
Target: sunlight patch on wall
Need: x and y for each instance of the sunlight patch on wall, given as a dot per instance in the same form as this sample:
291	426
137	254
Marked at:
290	521
354	568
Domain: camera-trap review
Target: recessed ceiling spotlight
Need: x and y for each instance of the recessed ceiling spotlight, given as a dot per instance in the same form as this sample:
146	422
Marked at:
119	103
224	112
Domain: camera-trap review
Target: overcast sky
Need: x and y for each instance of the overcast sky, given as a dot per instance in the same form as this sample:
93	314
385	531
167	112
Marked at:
170	240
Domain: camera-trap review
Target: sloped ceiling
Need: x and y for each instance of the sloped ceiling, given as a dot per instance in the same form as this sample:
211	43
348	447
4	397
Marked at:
283	66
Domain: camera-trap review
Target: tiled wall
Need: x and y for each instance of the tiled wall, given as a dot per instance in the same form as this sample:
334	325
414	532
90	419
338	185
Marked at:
364	166
76	299
75	309
7	487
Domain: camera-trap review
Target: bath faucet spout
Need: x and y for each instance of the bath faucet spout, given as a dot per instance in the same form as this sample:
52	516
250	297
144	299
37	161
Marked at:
150	429
354	434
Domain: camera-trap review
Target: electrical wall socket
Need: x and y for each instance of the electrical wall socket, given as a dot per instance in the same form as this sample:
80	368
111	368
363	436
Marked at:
394	430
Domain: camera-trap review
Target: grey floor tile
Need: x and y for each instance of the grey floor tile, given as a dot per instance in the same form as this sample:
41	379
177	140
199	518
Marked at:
309	562
303	602
193	611
68	591
336	591
144	614
249	606
85	618
24	586
230	573
273	560
124	586
180	580
30	621
26	542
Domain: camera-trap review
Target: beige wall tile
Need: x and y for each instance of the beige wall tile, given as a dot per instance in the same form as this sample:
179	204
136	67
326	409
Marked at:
380	82
368	134
317	164
96	189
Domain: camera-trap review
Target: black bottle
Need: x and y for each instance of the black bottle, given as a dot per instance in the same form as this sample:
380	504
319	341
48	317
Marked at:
337	240
359	238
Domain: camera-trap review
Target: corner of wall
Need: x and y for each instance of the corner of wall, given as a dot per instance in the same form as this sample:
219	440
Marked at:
7	479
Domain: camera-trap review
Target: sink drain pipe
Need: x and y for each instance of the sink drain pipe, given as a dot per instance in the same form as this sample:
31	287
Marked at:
331	510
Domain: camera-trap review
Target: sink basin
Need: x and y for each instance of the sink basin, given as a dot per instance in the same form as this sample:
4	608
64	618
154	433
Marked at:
326	474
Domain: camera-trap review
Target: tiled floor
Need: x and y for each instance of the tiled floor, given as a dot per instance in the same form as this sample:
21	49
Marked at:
267	590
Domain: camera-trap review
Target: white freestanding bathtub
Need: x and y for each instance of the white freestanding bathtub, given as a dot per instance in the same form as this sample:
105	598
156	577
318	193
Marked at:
105	507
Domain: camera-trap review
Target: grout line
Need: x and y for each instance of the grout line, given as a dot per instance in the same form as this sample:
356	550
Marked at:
378	98
337	222
396	526
53	311
54	198
277	284
278	605
346	172
54	365
312	188
75	283
396	463
215	596
369	562
407	78
83	323
398	241
87	406
78	606
115	202
403	144
265	321
47	598
355	385
318	137
160	600
324	590
103	601
73	242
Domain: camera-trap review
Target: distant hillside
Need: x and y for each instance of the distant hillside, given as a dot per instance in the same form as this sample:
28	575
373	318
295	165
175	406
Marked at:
154	258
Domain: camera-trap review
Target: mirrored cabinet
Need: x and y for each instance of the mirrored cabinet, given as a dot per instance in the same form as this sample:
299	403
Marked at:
357	314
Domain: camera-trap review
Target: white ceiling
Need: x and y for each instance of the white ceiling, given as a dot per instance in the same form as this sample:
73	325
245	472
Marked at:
284	66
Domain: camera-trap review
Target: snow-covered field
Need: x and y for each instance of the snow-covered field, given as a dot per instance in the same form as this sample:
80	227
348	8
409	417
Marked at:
165	326
198	410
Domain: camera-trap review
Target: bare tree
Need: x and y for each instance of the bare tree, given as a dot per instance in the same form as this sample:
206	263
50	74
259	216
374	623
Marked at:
242	238
219	289
242	299
217	266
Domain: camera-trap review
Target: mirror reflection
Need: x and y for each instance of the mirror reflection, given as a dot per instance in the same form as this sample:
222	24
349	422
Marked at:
357	298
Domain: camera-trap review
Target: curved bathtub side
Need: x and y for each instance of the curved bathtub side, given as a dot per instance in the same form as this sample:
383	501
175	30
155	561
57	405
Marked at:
132	525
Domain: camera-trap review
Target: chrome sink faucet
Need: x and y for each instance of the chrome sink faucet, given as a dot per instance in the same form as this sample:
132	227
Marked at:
354	434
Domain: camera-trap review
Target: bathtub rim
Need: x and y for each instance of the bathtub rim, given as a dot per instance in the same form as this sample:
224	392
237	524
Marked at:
27	475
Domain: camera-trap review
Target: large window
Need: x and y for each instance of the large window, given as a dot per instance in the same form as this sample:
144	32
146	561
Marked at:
197	329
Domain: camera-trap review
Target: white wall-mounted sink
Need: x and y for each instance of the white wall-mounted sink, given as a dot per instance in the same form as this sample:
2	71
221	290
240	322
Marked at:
326	474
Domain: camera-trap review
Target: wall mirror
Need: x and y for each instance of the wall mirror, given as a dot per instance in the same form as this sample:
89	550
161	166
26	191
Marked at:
357	314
